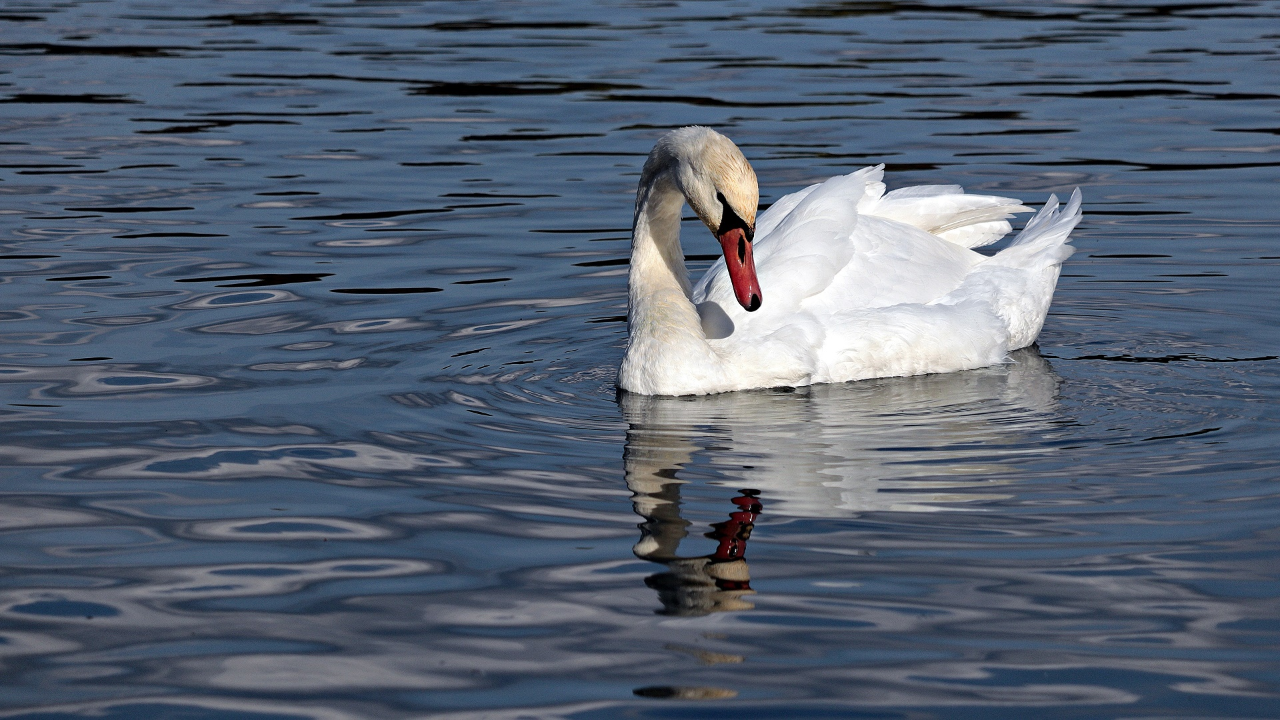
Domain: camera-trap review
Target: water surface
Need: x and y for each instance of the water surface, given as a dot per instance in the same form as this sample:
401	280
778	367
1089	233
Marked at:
311	313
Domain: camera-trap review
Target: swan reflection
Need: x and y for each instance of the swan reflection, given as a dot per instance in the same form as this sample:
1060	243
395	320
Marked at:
716	582
917	444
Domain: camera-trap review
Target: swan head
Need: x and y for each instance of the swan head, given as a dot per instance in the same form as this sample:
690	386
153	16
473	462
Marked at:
721	188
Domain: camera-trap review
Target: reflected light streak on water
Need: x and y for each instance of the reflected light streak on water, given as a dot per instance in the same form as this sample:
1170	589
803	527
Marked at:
311	315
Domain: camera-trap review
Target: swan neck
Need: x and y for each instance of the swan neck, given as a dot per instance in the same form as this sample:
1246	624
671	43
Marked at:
657	259
667	352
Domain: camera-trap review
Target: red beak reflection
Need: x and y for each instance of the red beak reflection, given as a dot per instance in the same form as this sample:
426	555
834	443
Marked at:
742	268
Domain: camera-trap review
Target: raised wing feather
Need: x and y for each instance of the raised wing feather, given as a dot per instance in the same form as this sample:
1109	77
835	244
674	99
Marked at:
801	243
946	211
817	254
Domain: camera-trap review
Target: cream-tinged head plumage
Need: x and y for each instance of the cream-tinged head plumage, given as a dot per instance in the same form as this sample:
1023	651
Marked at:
710	171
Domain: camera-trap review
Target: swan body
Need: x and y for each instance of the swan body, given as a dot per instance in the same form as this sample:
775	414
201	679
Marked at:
840	281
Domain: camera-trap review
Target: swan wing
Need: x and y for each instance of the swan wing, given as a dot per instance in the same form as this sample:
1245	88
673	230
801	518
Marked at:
946	211
821	251
859	284
802	242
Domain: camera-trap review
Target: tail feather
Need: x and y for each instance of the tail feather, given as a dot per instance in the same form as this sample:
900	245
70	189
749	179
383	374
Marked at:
1018	282
1049	229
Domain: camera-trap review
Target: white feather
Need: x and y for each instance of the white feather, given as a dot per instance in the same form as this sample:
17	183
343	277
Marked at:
857	284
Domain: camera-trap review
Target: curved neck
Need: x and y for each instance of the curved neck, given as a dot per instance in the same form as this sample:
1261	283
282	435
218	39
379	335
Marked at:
667	352
657	260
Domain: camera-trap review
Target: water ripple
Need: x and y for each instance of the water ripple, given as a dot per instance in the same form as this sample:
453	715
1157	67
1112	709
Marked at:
313	315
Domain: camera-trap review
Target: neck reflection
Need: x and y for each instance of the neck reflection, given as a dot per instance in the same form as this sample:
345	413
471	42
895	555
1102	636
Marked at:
704	584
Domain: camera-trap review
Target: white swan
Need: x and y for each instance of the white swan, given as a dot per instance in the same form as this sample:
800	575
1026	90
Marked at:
852	283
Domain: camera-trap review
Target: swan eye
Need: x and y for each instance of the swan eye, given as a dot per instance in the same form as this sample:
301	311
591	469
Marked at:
730	220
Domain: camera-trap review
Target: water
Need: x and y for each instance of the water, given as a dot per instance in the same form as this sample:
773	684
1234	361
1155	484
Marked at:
311	314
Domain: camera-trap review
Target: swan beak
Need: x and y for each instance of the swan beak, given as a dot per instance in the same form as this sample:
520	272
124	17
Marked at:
742	268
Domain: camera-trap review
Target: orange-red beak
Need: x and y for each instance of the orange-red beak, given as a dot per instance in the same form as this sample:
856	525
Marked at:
742	268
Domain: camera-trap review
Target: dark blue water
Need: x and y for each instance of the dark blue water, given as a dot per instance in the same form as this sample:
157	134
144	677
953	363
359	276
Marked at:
310	316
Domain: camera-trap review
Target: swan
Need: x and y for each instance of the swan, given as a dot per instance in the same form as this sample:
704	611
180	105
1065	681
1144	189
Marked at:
837	282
